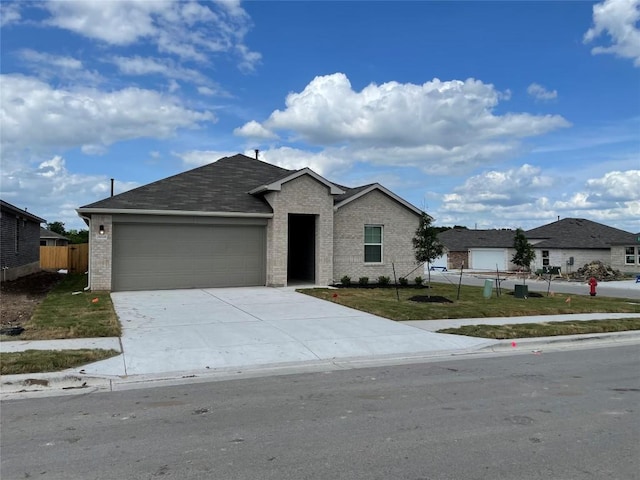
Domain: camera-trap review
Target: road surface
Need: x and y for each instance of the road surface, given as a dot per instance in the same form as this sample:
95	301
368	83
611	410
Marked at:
561	415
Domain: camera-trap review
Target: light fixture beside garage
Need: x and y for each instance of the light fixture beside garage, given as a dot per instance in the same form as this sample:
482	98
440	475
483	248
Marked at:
101	230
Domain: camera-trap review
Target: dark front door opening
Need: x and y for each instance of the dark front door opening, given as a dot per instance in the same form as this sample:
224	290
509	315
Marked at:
301	259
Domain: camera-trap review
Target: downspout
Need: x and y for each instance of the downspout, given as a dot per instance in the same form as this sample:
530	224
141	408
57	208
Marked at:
88	287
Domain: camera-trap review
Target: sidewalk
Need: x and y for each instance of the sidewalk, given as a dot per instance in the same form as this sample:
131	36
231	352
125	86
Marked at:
113	343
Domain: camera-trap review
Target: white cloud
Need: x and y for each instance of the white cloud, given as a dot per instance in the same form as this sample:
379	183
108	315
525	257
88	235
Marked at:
9	13
52	191
434	125
323	163
616	186
152	66
187	29
506	188
253	129
38	117
196	158
49	66
527	197
541	93
618	20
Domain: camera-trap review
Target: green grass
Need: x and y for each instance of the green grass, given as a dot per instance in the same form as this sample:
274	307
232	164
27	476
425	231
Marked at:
65	315
383	302
35	361
550	329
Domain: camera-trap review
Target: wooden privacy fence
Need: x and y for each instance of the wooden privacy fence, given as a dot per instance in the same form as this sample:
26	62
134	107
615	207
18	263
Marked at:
74	258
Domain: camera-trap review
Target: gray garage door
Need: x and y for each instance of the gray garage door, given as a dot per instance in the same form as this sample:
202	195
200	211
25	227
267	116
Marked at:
154	256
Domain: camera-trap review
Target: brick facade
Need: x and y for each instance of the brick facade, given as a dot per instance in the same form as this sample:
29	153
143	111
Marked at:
399	226
19	244
302	195
100	249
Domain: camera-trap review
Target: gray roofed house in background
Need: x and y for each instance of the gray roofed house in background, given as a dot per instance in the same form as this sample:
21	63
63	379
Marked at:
241	221
458	239
19	242
567	243
577	233
52	239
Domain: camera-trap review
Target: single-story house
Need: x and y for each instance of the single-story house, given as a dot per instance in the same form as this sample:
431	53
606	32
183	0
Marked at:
52	239
20	242
567	244
570	243
240	221
478	249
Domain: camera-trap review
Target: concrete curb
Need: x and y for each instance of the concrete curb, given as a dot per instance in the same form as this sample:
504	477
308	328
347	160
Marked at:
15	387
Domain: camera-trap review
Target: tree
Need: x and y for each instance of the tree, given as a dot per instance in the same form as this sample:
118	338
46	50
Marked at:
78	236
426	245
524	252
74	236
57	227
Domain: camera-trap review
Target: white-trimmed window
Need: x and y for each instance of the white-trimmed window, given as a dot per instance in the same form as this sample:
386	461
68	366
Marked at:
373	244
630	255
545	258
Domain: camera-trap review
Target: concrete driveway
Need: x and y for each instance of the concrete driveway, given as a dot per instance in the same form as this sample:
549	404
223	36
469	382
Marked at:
220	328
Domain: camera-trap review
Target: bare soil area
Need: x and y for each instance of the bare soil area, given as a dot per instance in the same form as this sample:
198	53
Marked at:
19	298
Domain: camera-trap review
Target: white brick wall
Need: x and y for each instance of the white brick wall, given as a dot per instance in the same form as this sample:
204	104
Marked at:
100	252
399	227
302	195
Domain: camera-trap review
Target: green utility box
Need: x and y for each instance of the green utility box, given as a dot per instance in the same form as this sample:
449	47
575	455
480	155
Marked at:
521	291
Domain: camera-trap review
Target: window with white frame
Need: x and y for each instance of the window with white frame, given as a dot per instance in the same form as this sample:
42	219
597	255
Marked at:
630	255
545	258
373	243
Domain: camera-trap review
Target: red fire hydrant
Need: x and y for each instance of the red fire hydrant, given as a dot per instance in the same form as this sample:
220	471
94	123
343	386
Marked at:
592	286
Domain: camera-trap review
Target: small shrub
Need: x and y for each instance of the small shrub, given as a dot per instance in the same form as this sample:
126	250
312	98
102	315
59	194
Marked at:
418	281
403	281
363	280
346	280
383	280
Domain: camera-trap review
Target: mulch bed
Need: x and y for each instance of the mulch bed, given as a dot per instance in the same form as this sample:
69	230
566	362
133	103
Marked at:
430	299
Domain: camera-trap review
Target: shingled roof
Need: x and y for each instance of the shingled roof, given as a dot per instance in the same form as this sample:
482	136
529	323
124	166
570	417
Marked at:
578	233
461	239
221	186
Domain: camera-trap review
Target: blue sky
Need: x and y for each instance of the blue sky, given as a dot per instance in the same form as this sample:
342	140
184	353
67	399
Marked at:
485	114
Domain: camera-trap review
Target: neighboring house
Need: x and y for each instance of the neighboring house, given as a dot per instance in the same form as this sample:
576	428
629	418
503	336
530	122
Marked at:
19	242
571	243
240	222
52	239
478	249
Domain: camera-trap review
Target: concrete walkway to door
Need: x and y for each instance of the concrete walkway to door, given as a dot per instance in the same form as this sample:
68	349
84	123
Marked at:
219	328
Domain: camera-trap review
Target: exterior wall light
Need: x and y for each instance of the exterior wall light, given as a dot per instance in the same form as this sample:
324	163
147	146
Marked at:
101	230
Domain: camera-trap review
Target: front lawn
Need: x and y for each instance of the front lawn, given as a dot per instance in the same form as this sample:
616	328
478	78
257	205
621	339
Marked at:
36	361
383	302
70	312
549	329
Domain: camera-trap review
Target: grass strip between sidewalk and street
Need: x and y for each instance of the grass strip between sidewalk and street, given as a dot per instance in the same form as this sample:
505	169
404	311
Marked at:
549	329
70	312
36	361
384	302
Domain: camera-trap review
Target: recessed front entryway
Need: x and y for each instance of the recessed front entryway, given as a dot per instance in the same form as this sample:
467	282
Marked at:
301	249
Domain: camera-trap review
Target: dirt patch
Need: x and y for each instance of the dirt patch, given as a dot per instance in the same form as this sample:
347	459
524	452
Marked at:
430	299
20	297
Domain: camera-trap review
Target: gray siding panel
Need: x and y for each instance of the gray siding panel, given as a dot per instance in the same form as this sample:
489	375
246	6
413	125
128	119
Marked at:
160	256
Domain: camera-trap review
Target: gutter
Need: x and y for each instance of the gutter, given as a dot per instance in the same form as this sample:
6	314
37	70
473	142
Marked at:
88	222
132	211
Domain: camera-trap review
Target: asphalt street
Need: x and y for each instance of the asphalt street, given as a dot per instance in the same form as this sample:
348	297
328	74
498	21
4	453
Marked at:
563	415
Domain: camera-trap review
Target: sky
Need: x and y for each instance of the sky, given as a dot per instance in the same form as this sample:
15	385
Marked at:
484	114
